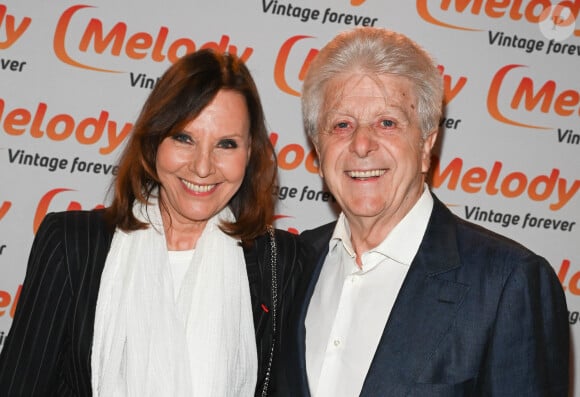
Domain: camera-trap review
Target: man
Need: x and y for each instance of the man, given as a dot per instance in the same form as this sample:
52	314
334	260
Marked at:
407	299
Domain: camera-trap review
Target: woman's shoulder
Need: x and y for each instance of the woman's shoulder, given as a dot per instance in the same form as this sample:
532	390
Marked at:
94	215
77	223
279	240
287	236
274	245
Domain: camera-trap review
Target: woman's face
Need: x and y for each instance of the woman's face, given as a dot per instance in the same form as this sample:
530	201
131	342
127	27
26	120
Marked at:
202	167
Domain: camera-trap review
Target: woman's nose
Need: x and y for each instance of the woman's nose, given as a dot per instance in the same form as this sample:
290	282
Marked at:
202	162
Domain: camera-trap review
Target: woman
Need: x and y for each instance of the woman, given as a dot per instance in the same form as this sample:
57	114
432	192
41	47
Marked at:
150	295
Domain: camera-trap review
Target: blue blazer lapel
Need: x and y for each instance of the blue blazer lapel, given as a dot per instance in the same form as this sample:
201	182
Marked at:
295	345
423	311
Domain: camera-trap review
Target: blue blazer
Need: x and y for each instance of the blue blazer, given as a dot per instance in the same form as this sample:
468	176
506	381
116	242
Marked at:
477	315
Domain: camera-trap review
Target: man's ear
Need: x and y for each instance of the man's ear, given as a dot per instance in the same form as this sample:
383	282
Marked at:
428	145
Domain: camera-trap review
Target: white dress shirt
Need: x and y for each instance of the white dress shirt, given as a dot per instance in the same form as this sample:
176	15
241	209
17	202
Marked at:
350	306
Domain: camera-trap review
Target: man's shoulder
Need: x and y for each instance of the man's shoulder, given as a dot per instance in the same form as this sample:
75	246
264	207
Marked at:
478	245
319	236
323	230
470	235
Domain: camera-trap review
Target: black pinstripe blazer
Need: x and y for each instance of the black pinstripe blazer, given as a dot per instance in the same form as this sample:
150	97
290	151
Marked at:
47	351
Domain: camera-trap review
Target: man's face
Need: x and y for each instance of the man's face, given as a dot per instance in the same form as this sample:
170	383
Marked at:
370	149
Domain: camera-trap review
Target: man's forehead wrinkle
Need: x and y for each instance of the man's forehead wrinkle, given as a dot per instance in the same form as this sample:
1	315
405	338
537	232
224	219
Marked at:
392	97
338	88
370	108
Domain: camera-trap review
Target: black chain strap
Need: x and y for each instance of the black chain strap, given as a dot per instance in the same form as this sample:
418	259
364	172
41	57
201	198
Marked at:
274	266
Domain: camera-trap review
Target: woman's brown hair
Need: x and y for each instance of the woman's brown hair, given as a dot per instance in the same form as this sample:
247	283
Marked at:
183	91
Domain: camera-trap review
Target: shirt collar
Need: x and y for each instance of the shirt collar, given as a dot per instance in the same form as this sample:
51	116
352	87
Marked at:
402	243
342	234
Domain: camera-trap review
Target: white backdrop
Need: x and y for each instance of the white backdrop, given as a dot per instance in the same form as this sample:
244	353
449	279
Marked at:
73	77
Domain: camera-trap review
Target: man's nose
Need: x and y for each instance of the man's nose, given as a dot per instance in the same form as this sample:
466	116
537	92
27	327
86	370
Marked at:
363	141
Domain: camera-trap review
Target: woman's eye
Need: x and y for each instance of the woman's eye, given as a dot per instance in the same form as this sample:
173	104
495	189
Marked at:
228	144
182	137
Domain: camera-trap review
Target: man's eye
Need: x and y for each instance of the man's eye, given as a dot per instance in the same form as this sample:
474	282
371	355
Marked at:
182	137
387	123
341	127
228	144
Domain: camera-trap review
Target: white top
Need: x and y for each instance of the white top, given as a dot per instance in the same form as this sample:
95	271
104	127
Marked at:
178	264
350	306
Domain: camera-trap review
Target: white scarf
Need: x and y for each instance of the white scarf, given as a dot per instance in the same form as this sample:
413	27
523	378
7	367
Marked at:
147	344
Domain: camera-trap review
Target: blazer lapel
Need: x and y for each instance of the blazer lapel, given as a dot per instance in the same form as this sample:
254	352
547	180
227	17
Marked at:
295	345
424	310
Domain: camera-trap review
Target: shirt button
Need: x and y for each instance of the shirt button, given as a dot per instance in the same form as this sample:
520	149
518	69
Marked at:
336	342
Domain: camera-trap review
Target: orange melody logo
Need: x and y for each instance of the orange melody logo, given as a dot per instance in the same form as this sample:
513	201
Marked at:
62	126
533	11
10	29
45	203
293	49
4	209
282	60
9	301
553	188
117	42
529	96
570	282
